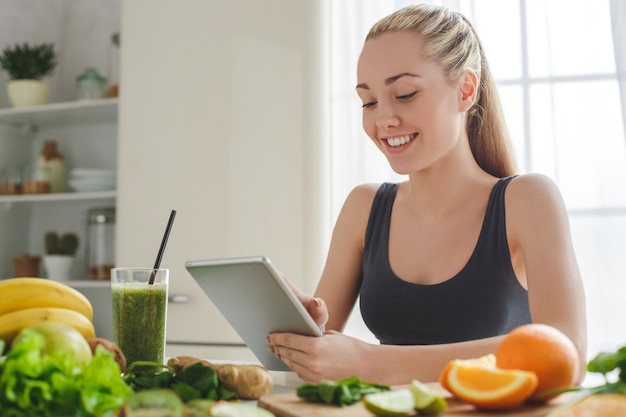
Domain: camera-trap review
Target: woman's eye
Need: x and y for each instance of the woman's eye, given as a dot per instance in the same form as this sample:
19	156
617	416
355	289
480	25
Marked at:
406	97
369	104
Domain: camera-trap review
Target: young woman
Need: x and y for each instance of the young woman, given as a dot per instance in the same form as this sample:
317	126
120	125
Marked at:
462	252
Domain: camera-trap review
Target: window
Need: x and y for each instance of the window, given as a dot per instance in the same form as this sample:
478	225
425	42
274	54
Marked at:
555	64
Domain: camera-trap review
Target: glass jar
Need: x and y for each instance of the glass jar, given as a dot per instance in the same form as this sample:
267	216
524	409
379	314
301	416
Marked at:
100	243
11	181
90	85
36	180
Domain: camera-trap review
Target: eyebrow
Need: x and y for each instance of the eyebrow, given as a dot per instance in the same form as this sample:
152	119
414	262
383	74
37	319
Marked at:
390	80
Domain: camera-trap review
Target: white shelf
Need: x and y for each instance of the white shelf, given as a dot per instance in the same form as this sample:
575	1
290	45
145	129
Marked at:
30	119
82	284
30	198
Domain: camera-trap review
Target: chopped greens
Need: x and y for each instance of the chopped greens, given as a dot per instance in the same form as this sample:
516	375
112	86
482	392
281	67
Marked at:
342	392
194	382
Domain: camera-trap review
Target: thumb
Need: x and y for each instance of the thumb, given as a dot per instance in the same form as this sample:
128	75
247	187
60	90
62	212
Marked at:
318	310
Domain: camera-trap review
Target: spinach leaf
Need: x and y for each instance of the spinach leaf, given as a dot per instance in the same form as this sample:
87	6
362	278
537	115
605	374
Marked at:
343	392
194	382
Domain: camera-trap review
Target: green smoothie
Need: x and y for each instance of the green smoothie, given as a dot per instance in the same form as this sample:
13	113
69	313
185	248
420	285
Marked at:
139	315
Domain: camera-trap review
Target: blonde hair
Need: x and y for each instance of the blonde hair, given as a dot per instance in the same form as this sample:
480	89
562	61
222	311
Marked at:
451	41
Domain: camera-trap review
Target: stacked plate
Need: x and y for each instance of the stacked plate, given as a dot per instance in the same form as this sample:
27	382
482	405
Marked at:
86	180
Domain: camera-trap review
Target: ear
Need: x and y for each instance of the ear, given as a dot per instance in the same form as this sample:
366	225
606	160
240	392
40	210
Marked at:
468	90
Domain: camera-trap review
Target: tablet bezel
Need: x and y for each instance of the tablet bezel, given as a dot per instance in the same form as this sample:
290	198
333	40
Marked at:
240	287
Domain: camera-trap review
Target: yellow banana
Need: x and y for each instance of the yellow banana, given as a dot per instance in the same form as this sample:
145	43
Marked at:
11	323
21	293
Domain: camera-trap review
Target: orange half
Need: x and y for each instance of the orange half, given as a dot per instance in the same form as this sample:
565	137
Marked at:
490	387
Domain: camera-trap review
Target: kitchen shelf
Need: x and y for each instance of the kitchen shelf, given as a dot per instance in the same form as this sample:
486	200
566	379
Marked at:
29	198
30	119
79	284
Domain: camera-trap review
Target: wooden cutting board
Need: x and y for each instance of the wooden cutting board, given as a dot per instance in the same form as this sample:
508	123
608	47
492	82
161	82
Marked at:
290	405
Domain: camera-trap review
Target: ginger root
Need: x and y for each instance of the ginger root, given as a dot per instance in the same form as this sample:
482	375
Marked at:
111	347
247	381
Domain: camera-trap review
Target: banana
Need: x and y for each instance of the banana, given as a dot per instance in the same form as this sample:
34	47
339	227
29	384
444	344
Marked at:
21	293
11	323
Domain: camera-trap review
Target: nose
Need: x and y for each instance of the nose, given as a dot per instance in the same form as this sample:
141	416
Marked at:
387	117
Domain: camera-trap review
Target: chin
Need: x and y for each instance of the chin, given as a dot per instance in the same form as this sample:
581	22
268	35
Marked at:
402	170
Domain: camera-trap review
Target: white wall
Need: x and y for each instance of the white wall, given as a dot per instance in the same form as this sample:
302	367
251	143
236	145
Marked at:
221	119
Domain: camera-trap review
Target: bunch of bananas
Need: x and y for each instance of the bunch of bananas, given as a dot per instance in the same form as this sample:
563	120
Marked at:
28	301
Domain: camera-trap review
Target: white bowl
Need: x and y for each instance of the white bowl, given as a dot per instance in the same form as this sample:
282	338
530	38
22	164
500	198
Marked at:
92	173
86	185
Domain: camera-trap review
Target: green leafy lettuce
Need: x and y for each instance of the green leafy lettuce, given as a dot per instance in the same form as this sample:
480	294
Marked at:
34	384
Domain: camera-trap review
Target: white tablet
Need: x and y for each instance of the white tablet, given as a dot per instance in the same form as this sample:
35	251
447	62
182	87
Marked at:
255	299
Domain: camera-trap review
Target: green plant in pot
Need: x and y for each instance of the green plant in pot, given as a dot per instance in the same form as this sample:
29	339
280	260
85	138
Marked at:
26	66
60	251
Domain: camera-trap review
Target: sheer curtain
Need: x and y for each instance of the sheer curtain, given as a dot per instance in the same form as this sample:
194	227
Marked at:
559	84
618	25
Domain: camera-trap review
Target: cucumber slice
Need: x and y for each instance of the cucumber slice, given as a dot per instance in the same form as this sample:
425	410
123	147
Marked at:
154	403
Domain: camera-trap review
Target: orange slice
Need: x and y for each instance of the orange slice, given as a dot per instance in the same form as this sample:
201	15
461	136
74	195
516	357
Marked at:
488	387
487	361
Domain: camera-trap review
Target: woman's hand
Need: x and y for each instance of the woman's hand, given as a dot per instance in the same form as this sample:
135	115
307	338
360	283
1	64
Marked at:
315	306
333	356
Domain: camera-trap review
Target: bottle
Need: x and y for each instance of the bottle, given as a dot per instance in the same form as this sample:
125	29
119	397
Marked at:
100	243
51	160
90	85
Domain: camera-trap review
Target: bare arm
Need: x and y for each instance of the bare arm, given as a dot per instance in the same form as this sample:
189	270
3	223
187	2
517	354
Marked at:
340	281
337	356
538	224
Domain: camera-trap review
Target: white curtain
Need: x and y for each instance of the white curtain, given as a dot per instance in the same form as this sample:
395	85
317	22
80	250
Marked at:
559	87
618	26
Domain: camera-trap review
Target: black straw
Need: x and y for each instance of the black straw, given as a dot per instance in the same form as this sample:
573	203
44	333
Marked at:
157	263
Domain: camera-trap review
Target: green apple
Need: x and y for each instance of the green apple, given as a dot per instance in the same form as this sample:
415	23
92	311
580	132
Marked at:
61	337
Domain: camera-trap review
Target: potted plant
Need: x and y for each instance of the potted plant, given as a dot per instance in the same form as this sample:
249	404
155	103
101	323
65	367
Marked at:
60	251
26	66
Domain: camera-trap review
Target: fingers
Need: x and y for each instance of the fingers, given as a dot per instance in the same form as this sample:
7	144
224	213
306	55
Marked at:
318	311
287	349
315	306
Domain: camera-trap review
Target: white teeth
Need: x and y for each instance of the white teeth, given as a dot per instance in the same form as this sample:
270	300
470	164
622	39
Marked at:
399	141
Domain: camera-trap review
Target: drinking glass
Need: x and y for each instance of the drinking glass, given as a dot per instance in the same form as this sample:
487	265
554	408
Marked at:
140	312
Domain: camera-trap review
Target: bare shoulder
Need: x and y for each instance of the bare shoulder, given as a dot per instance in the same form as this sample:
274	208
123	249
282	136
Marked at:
363	194
534	201
358	203
533	190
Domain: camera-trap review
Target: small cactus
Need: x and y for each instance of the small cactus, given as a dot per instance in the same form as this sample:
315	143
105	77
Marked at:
51	242
66	244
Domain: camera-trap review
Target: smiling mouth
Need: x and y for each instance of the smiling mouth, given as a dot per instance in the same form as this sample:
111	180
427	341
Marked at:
400	140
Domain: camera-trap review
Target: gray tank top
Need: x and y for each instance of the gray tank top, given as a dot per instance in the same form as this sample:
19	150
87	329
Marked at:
484	299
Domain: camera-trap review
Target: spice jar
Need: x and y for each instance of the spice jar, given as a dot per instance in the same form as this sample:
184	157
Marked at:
100	243
51	160
36	180
11	182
